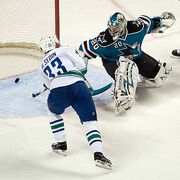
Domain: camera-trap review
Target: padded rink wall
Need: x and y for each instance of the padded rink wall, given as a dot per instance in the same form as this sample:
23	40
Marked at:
16	100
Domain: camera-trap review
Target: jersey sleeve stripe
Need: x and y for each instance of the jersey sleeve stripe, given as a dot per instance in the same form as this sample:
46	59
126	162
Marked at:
87	50
146	21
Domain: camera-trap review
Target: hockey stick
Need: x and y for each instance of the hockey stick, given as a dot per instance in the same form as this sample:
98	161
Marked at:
38	93
94	92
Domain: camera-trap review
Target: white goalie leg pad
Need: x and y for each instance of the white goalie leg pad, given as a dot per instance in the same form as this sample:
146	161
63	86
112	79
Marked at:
160	78
126	77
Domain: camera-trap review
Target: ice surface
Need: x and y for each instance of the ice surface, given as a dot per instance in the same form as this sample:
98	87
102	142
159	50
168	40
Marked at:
16	98
142	144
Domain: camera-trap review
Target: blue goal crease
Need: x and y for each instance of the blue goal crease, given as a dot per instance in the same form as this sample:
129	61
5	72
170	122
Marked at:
16	101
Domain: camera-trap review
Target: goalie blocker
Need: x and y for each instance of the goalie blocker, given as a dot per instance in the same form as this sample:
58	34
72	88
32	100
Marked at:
126	77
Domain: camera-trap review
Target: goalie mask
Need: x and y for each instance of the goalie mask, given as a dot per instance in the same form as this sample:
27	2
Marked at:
117	24
47	44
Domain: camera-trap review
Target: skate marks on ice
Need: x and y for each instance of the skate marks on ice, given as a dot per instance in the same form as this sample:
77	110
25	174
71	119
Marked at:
16	99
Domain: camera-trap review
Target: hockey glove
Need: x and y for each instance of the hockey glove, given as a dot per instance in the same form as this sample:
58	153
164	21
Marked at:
167	20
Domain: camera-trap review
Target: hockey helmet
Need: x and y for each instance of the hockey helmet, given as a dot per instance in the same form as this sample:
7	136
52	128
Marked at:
48	43
117	24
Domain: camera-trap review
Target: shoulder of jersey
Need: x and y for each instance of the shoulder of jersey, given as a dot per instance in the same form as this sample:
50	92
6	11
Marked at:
105	38
135	26
65	48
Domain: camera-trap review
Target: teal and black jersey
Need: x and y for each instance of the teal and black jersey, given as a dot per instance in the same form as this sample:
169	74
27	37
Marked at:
111	49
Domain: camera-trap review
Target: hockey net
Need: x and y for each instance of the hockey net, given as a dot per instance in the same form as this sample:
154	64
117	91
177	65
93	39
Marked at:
23	23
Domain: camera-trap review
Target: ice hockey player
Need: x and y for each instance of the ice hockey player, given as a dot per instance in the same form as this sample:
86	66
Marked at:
62	71
176	53
119	47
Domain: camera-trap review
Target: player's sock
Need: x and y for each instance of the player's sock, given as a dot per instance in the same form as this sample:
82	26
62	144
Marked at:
93	136
57	128
95	142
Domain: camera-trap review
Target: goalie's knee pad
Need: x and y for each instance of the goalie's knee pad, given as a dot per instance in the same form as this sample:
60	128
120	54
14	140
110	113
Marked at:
161	76
126	77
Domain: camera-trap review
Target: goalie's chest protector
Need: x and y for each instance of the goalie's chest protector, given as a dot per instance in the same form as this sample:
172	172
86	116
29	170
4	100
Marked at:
127	45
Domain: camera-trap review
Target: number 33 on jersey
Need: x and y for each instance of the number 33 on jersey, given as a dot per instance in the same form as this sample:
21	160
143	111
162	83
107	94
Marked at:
63	63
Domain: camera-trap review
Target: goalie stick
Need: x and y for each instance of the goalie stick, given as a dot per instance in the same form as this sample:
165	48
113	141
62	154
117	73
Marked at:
94	92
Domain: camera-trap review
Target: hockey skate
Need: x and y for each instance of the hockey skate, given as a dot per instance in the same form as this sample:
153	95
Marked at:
59	148
176	53
102	161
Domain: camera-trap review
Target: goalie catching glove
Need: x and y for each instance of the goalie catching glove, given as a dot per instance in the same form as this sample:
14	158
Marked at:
167	20
126	77
164	22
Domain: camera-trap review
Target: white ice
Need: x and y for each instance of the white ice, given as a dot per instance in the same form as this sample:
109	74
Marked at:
143	144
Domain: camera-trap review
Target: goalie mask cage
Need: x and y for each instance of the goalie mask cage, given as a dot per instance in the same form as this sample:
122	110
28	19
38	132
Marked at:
24	22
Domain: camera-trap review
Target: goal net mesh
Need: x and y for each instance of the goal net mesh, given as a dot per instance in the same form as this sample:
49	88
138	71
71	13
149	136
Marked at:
23	23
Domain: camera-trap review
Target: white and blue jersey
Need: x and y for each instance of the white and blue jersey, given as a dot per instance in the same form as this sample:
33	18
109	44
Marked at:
129	44
61	67
62	70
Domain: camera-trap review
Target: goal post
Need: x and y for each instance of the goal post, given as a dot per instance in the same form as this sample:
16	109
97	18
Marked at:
23	23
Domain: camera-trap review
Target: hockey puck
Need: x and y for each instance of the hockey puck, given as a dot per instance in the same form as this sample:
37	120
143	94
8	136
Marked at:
16	80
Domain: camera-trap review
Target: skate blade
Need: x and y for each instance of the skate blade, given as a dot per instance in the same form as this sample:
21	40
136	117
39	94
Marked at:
103	165
63	153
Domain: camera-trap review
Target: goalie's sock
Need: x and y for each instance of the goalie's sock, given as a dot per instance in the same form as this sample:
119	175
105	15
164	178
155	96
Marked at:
102	161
